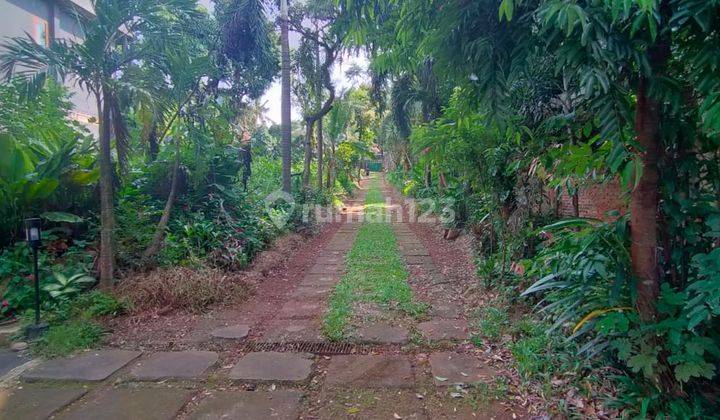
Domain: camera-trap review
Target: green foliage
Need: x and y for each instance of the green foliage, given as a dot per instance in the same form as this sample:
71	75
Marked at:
73	325
585	282
546	95
16	274
44	155
97	304
64	287
64	339
493	323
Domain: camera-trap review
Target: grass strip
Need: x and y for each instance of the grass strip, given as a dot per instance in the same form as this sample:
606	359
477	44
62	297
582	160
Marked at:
375	270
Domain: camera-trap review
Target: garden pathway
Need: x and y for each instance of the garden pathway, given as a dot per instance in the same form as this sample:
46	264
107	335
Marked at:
272	360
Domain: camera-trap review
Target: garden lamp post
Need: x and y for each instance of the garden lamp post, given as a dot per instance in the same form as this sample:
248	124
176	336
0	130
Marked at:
33	238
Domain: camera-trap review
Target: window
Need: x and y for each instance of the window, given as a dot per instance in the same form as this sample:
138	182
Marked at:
41	34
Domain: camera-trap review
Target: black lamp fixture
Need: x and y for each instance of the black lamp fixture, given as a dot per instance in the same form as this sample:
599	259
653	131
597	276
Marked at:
33	236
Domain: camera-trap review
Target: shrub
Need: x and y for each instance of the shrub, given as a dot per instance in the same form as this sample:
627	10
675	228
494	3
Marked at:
98	304
493	322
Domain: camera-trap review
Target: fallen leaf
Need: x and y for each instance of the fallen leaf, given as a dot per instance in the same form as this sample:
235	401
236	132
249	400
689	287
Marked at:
441	379
397	416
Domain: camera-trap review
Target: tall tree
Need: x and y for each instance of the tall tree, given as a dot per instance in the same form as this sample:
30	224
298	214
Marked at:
319	49
248	55
285	106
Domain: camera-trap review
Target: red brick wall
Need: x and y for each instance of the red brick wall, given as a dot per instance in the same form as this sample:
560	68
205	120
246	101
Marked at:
594	201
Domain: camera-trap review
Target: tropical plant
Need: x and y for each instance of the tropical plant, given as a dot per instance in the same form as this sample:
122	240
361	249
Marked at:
95	64
43	153
540	95
64	287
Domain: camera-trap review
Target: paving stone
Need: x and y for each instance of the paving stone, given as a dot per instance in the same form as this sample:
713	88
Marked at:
326	269
136	404
19	346
300	309
444	329
9	360
232	332
339	248
249	405
371	404
416	248
88	366
381	333
342	237
311	292
36	402
443	311
418	260
174	365
457	368
408	252
330	260
273	366
370	371
8	332
412	248
285	331
325	280
406	236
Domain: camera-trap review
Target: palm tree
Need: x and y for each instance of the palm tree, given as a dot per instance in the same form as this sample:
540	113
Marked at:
184	85
95	65
285	100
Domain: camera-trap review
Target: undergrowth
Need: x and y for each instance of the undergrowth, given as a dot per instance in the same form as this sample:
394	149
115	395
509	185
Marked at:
182	288
73	325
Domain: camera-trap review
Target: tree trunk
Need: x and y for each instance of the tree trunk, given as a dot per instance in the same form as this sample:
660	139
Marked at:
320	153
245	158
285	100
331	166
645	199
308	153
311	119
152	141
107	220
157	242
644	206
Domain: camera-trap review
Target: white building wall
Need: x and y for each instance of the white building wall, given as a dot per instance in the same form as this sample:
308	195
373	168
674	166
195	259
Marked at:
39	19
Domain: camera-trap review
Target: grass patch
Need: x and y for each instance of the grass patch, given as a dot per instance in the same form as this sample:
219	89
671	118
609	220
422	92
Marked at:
492	324
375	271
63	339
73	323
